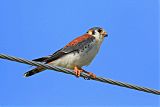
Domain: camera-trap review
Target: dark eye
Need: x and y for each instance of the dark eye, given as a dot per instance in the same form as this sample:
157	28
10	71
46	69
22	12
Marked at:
93	32
99	30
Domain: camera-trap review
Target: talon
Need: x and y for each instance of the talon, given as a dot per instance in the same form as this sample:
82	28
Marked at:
91	75
77	71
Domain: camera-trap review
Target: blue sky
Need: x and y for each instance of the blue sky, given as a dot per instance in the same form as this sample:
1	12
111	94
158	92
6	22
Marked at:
35	28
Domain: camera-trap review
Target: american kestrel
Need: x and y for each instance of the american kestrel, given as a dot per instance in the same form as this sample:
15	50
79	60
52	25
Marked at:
76	54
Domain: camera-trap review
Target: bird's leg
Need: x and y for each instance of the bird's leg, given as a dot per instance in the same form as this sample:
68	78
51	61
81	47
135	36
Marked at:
91	75
78	71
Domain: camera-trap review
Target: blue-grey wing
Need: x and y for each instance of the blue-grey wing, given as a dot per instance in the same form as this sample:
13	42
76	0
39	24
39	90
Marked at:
67	49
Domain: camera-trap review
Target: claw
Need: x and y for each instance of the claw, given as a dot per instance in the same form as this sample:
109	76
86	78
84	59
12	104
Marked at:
77	71
91	75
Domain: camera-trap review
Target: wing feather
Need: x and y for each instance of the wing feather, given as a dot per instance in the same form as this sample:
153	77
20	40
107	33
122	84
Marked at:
73	46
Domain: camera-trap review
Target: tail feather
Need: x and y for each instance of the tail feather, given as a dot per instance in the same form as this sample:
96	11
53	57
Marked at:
34	71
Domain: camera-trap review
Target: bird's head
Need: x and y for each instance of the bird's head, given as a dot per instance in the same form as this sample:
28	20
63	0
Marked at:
98	33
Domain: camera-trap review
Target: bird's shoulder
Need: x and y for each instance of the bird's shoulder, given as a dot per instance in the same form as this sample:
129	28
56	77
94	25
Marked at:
72	46
79	40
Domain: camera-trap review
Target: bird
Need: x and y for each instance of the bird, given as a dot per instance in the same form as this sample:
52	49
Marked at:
76	54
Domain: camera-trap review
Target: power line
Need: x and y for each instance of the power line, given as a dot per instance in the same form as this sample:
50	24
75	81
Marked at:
84	75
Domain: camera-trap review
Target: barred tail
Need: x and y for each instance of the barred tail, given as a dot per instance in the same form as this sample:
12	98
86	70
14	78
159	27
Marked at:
34	71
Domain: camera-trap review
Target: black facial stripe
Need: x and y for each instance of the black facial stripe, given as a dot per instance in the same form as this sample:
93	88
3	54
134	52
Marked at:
93	32
99	30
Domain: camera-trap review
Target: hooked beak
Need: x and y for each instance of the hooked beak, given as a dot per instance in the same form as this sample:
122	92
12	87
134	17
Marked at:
105	34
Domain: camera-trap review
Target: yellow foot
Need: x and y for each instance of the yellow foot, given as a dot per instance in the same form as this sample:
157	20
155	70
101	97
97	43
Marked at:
77	71
91	75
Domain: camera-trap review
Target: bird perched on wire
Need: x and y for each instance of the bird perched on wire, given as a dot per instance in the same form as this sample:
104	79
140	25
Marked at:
76	54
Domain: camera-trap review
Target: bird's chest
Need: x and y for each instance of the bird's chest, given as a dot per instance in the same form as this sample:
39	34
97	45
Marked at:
85	55
88	51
